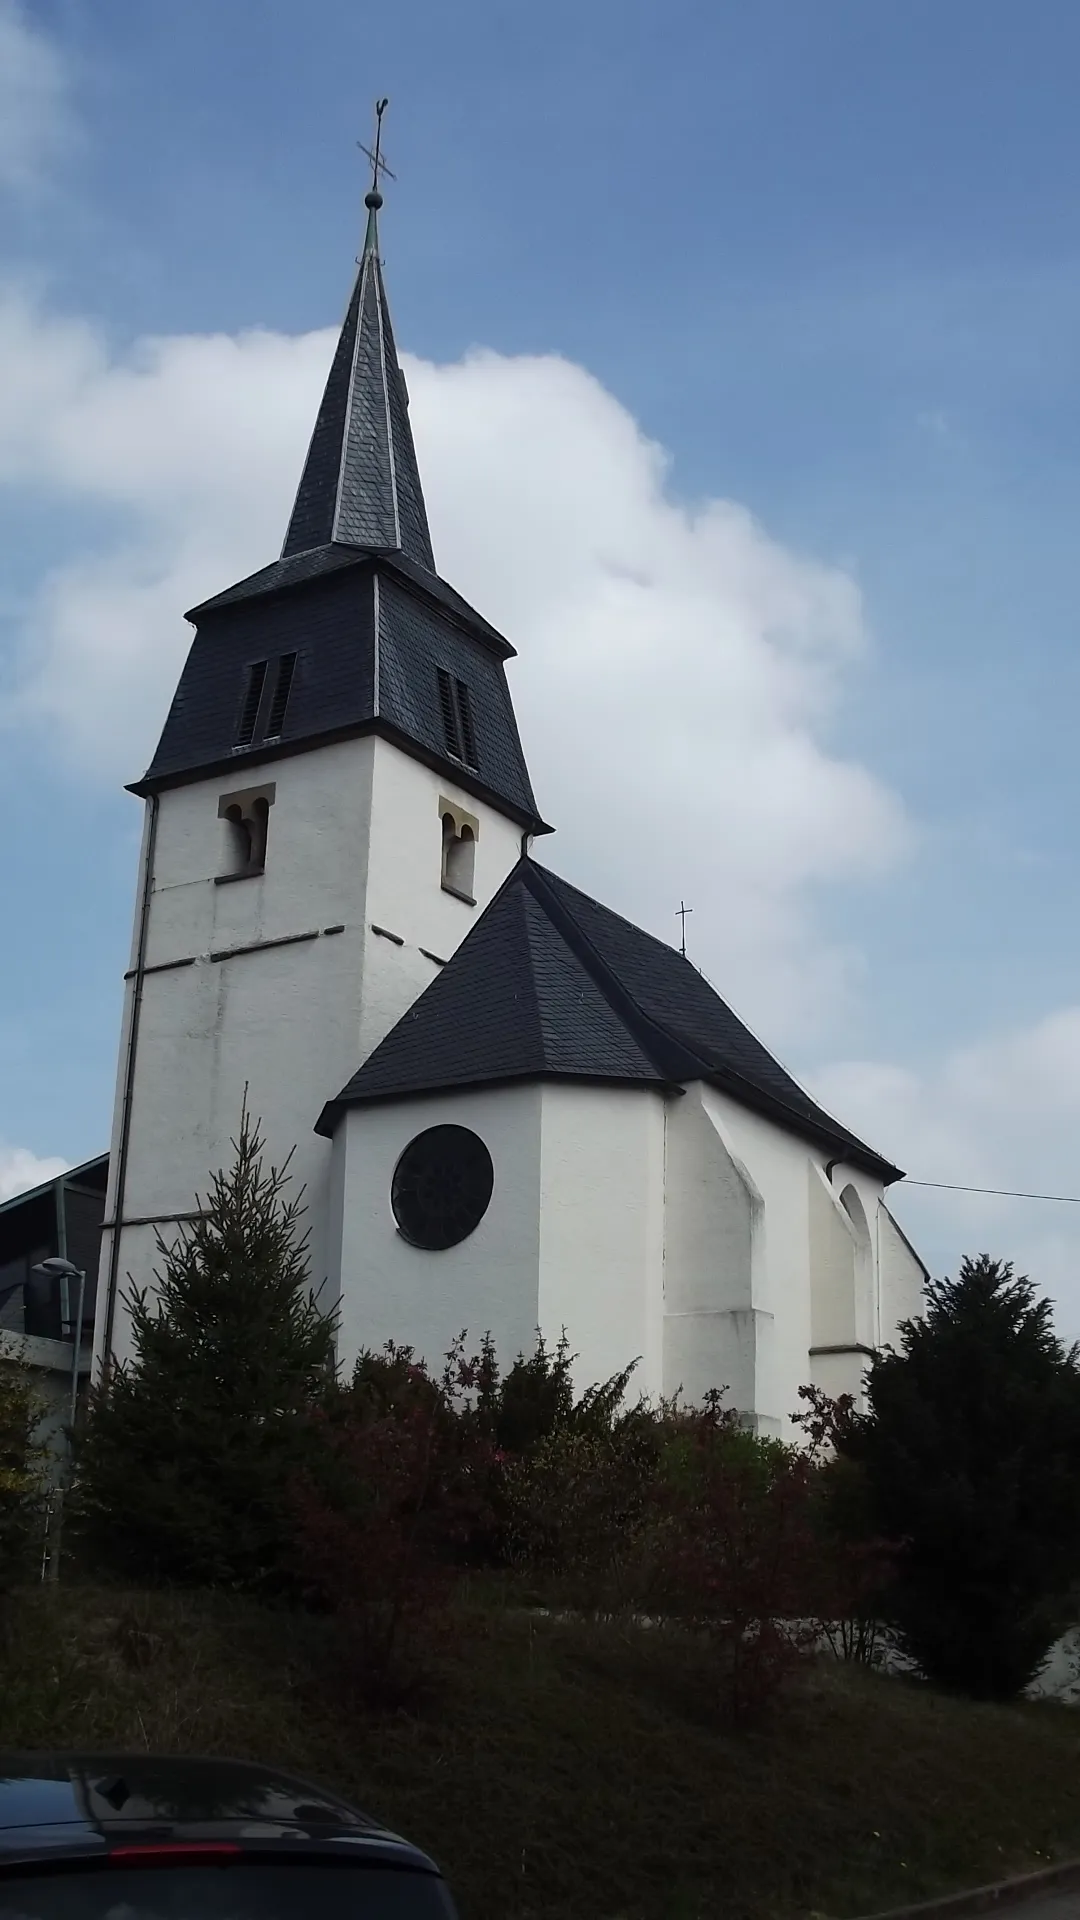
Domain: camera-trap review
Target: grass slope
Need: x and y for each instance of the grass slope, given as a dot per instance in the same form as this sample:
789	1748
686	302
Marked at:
571	1773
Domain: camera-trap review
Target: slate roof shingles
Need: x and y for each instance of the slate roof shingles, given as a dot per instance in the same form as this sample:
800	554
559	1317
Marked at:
671	991
414	642
327	619
361	484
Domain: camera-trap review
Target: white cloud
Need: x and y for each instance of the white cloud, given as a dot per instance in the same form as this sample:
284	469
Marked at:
20	1170
677	676
678	669
1002	1112
35	120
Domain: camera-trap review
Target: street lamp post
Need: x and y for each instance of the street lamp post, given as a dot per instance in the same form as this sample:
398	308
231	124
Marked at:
58	1269
63	1270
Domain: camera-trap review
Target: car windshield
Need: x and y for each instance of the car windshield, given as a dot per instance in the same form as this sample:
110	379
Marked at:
234	1891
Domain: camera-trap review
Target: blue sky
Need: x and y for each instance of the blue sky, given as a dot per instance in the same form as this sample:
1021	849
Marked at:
828	257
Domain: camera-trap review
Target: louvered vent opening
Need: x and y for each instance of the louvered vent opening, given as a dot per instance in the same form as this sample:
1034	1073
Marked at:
455	705
468	736
249	712
449	714
280	702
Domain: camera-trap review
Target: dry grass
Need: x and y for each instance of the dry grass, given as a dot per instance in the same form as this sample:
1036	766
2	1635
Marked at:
569	1773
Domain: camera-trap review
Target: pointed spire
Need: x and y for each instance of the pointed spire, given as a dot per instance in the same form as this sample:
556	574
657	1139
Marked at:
361	485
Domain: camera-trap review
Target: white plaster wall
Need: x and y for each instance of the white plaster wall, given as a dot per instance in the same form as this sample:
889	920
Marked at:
118	1093
405	893
316	854
833	1316
139	1260
354	836
872	1194
841	1292
837	1373
602	1229
776	1164
282	1020
866	1278
716	1331
391	1290
902	1277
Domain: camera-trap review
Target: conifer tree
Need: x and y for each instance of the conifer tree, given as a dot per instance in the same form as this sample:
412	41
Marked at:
190	1444
24	1465
971	1455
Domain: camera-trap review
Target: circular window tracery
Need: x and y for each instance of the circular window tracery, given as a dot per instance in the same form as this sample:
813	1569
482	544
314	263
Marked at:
442	1187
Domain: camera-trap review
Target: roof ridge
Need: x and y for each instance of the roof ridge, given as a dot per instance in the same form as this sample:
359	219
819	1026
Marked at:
644	1024
346	414
642	933
755	1036
673	1059
514	894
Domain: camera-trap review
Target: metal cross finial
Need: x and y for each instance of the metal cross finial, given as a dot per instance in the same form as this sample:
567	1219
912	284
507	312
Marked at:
373	197
681	912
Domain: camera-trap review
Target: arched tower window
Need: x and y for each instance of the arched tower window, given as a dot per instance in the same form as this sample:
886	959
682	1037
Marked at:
237	841
459	835
244	817
259	820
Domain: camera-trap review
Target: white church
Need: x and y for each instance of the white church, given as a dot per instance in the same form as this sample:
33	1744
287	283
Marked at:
510	1108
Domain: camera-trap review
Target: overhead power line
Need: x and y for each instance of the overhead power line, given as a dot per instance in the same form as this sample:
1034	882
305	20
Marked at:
1002	1193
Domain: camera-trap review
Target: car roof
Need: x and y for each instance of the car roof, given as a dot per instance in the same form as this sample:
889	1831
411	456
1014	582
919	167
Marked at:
56	1799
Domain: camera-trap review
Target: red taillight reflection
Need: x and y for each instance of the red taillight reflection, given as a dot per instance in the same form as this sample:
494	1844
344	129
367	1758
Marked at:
159	1853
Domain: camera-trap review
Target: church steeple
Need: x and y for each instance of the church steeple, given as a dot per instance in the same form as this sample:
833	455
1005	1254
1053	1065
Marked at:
351	631
361	485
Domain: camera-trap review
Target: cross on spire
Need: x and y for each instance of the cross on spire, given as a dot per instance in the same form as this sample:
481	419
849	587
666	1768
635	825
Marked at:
681	912
373	197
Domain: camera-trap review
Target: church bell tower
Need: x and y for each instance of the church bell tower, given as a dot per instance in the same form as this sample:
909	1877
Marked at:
338	791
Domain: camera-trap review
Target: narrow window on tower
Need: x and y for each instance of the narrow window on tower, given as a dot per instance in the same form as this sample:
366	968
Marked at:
237	842
459	831
455	707
465	724
249	712
451	734
282	690
245	818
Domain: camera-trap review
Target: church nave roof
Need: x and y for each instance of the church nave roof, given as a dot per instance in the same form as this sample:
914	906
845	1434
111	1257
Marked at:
551	984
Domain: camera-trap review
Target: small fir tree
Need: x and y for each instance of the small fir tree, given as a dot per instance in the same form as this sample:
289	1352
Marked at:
535	1399
970	1450
189	1445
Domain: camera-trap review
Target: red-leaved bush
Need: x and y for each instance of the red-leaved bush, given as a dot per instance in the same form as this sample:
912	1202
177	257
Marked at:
677	1515
861	1564
738	1551
577	1510
378	1528
733	1552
